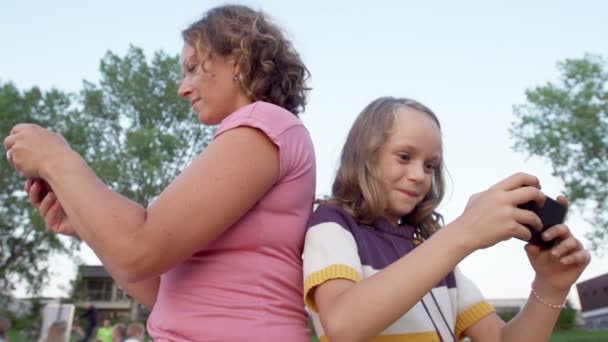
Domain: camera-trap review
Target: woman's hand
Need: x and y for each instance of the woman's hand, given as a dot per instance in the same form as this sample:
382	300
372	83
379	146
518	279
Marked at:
44	199
31	147
559	267
493	216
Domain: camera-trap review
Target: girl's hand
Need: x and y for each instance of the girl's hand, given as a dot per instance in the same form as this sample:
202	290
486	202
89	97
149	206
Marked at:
559	267
493	216
44	199
31	147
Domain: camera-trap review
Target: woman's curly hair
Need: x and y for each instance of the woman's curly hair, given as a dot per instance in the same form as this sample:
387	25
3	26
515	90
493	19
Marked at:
270	68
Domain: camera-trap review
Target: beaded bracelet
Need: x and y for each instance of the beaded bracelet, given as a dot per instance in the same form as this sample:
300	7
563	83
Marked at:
552	306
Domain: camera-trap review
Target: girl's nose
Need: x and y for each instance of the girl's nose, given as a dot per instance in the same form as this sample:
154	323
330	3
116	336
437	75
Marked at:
416	172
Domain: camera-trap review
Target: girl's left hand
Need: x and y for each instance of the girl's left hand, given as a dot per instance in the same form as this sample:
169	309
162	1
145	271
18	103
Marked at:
29	147
561	265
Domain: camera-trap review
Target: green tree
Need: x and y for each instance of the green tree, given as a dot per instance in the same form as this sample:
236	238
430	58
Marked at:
507	316
131	127
567	122
139	134
567	318
25	245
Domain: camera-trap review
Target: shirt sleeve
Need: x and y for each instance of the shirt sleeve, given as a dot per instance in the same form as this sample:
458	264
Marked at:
330	252
472	306
285	130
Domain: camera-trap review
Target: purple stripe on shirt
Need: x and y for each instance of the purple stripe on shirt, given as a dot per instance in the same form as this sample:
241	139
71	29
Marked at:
380	244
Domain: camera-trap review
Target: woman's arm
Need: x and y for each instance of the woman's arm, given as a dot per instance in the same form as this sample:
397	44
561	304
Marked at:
45	200
135	243
144	292
220	185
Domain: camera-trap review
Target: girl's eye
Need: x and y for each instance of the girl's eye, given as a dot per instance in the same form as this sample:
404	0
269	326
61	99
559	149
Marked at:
431	167
404	156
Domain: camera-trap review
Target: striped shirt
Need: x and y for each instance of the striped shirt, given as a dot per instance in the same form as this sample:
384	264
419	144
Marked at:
339	247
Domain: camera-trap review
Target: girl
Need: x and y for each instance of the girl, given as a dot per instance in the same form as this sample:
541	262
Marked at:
217	256
376	265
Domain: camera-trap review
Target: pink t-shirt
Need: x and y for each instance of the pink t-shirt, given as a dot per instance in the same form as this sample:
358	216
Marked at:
247	284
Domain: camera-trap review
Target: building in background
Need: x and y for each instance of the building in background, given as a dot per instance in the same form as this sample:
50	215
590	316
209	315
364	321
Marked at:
95	286
593	295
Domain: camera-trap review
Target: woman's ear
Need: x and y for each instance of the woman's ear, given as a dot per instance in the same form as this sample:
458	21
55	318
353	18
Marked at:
237	71
234	59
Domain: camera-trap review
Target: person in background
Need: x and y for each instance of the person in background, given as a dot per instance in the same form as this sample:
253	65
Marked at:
236	216
136	332
104	334
5	325
119	332
91	317
57	332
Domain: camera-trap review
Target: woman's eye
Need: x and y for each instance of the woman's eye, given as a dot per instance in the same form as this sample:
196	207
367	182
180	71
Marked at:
191	68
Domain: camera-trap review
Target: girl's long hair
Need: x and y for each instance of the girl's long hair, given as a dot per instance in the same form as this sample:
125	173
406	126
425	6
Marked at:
358	186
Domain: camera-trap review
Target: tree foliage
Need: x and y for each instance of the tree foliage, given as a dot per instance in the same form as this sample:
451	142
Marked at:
25	245
567	123
131	127
567	318
140	135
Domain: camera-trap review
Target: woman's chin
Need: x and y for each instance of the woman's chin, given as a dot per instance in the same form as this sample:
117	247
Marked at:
208	120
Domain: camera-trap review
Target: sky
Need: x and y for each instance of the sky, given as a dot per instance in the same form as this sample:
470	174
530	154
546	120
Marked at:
469	61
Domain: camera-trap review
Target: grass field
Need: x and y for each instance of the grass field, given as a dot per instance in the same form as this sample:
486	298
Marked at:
14	336
580	336
565	336
568	336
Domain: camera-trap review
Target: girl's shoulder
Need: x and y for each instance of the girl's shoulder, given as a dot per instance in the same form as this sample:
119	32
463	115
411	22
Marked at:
328	212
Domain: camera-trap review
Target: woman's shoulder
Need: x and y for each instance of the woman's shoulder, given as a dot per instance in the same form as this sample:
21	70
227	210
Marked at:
270	115
271	119
267	108
284	129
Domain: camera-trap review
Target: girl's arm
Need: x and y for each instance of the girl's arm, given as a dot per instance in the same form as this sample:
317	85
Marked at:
556	271
533	323
352	311
135	243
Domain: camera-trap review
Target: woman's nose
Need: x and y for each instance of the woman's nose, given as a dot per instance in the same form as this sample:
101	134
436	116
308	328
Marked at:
184	89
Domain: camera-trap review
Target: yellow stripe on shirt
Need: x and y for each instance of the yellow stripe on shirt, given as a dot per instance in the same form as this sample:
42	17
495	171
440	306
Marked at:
328	273
471	316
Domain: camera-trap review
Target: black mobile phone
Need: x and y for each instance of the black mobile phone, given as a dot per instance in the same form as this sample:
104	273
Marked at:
550	214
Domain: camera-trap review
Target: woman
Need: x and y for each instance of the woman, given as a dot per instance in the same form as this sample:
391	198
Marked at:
217	256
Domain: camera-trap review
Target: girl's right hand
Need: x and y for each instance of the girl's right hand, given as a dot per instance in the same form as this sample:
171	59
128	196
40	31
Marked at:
44	199
492	216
